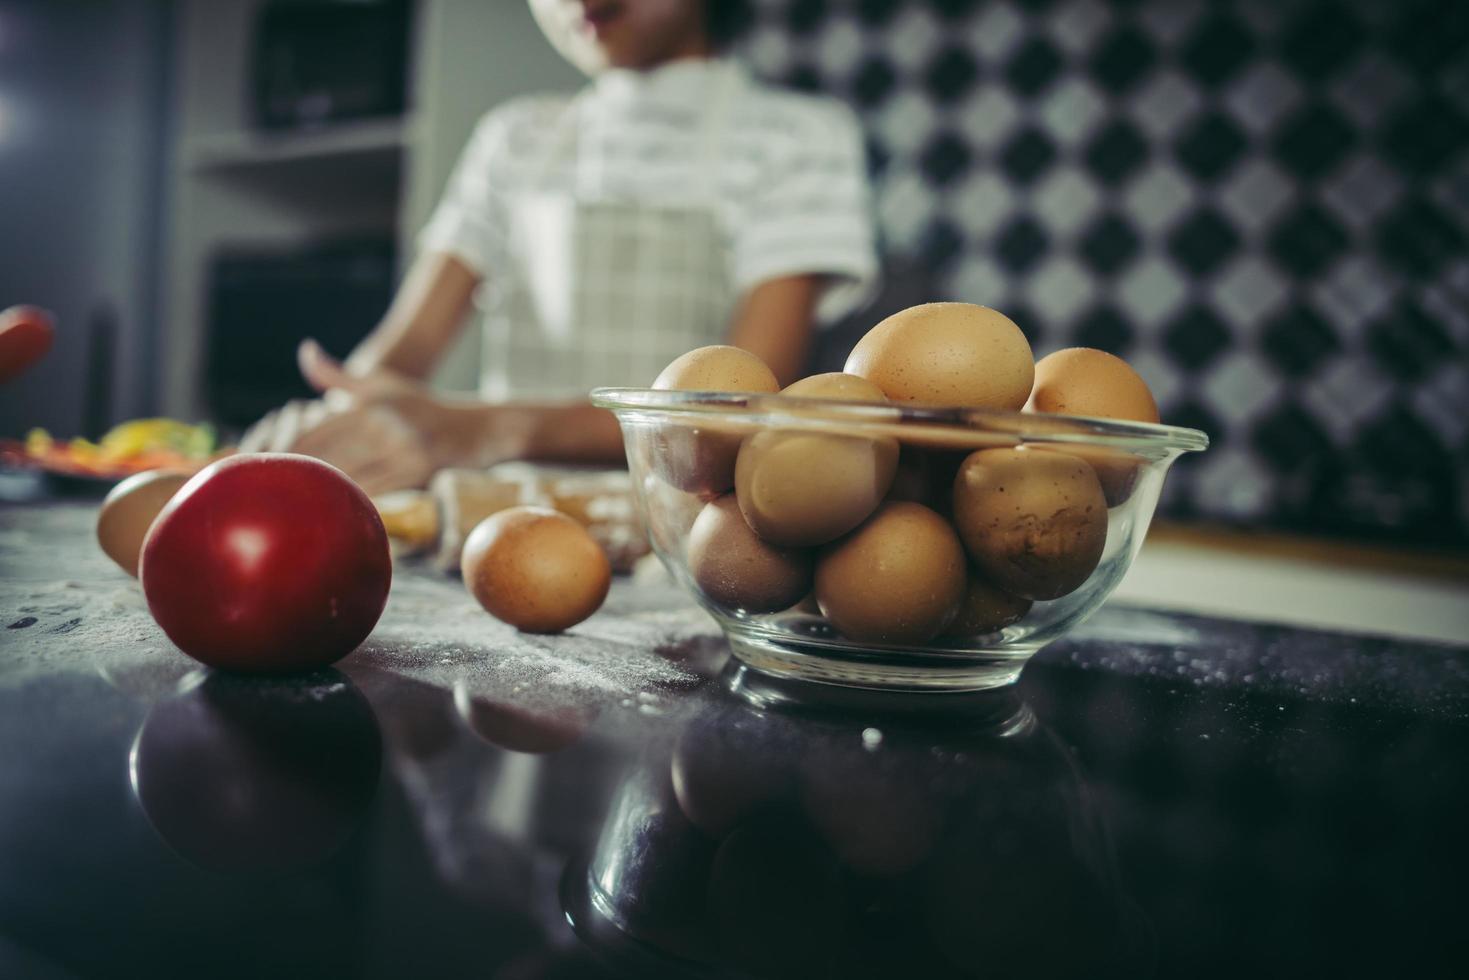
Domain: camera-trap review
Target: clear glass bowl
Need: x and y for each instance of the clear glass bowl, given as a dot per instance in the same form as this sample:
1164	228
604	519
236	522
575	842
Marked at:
683	450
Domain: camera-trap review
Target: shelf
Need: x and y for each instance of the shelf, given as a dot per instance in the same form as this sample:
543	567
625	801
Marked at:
253	149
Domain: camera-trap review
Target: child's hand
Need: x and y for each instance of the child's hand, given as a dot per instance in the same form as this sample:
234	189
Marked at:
388	444
279	430
382	430
341	387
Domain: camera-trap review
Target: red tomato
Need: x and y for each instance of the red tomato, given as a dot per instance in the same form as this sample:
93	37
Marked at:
267	562
26	333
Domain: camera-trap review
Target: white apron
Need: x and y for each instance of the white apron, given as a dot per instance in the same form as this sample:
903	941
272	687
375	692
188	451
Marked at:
605	292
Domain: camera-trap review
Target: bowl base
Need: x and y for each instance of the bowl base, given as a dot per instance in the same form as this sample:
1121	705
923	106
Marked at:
875	669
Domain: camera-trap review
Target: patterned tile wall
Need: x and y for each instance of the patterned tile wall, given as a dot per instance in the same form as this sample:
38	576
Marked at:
1263	205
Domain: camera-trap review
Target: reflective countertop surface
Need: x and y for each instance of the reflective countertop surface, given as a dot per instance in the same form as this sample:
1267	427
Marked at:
1160	796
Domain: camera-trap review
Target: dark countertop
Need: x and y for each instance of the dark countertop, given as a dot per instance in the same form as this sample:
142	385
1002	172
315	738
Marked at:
1162	796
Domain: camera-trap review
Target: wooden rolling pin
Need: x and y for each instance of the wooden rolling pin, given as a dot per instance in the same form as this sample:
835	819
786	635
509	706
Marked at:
440	518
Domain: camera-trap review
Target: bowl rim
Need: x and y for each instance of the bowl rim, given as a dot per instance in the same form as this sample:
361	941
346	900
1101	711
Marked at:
1024	426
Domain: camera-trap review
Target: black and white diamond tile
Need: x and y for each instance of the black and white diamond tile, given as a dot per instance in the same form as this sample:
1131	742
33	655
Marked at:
1262	204
1157	197
1362	191
1255	195
1264	95
1357	291
1065	201
1163	103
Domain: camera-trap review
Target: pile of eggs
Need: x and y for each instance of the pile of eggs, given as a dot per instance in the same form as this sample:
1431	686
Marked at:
902	544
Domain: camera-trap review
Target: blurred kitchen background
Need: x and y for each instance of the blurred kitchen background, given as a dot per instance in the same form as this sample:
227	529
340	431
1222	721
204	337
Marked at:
1263	205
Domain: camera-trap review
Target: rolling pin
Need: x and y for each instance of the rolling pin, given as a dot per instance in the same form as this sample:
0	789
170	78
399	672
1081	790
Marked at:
440	518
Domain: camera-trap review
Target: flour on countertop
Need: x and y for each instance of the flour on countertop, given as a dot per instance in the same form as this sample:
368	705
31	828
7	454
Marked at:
434	633
88	617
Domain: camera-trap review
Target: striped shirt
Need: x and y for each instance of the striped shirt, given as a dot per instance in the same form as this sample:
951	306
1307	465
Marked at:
788	184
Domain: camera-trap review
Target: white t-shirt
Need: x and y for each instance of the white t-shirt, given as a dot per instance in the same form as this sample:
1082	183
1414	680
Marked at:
789	193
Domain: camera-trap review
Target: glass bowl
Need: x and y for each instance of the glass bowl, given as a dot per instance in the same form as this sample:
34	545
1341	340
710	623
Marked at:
684	450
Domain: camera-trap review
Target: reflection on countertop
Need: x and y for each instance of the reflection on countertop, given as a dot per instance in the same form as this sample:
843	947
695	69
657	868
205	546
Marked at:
1161	796
257	775
785	846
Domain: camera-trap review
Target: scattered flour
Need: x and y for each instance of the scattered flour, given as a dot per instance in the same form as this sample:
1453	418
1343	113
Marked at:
88	617
435	634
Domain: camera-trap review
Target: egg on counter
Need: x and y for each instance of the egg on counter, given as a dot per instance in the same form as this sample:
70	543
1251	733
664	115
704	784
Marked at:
536	569
899	578
733	567
986	609
1034	521
1089	382
129	510
701	458
947	354
799	487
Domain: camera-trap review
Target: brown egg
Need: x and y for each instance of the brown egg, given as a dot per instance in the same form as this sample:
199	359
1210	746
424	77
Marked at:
1033	521
1117	471
986	609
536	569
899	578
1093	383
733	567
799	488
926	476
947	354
717	368
701	458
836	385
129	510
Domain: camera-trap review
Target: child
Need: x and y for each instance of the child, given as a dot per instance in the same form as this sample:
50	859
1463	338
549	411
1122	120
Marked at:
672	203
